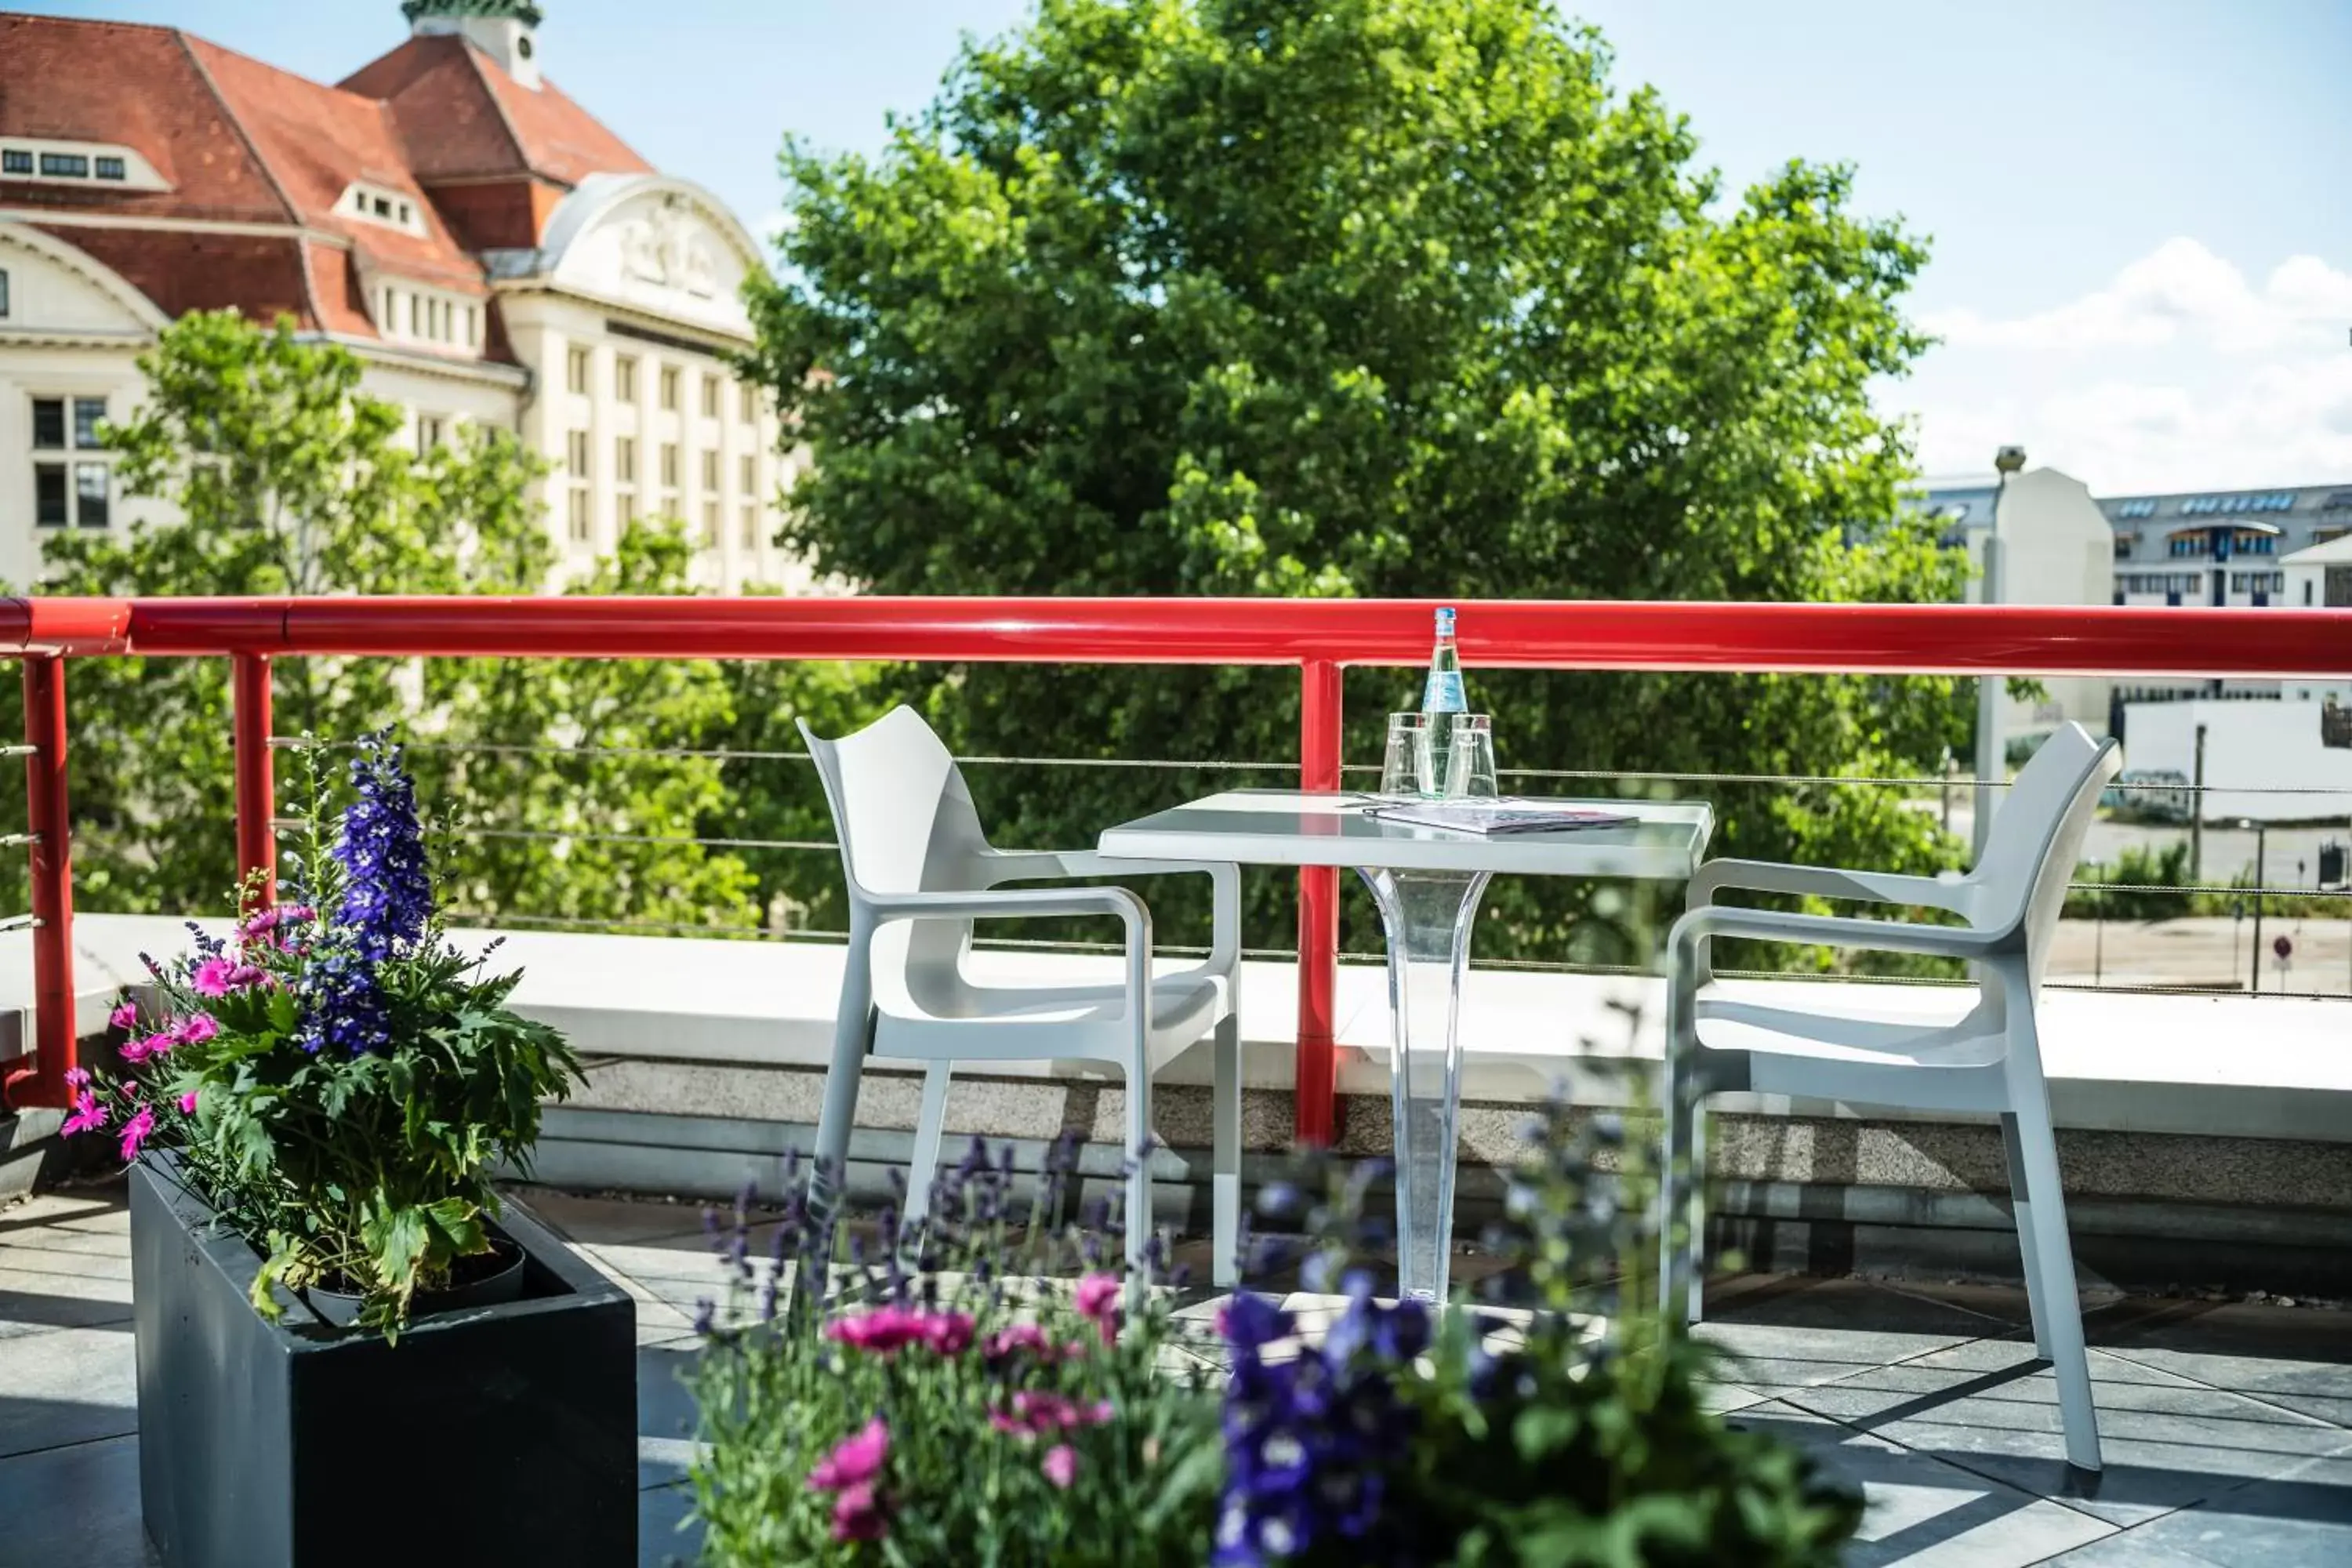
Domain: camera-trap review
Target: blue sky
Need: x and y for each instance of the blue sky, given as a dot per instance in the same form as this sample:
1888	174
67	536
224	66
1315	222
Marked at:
2142	242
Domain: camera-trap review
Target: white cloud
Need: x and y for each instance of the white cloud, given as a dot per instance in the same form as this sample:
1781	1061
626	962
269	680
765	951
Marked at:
2180	291
2178	375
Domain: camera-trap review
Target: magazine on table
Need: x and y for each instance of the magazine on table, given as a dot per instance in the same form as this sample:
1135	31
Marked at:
1492	816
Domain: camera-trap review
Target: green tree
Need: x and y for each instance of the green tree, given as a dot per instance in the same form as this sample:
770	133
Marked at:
290	480
1367	297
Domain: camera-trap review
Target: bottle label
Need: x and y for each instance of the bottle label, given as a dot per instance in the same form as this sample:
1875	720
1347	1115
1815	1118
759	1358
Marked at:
1443	693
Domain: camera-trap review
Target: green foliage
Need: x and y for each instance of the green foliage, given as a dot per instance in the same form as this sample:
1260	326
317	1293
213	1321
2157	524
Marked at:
363	1171
1377	297
290	480
2136	867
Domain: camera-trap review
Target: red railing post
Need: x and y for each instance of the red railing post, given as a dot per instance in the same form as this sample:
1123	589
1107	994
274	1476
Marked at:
1314	1098
256	789
54	1029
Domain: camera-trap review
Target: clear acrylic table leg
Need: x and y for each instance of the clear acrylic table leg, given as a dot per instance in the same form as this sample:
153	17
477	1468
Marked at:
1427	916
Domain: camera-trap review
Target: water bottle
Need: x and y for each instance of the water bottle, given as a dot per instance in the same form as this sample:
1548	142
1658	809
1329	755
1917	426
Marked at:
1443	694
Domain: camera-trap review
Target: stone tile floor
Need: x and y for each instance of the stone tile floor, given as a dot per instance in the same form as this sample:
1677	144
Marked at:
2228	1427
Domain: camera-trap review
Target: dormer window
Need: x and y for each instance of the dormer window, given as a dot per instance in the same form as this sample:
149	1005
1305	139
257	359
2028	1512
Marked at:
376	204
78	164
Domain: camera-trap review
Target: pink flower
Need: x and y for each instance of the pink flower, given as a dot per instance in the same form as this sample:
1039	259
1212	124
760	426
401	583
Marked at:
88	1114
124	1017
188	1103
137	1051
1097	1302
1041	1413
219	976
1020	1337
76	1078
1061	1466
887	1330
194	1029
857	1515
855	1461
135	1132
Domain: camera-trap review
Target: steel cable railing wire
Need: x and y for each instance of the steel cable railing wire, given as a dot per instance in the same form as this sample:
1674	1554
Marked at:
2097	892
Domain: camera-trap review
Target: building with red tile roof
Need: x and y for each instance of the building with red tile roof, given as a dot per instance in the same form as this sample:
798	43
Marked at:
490	249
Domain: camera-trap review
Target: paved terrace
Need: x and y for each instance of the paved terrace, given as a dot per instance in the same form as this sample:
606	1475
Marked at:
2227	1425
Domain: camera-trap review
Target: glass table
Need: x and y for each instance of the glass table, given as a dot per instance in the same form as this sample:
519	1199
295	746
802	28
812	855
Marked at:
1427	882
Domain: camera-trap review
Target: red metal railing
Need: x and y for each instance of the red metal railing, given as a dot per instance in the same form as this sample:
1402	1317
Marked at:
1321	637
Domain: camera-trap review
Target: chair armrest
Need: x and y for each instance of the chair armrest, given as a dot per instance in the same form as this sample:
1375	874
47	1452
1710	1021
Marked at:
1047	865
1030	903
1826	882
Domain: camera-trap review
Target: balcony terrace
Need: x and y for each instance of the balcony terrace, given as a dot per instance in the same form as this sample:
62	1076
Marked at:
2204	1131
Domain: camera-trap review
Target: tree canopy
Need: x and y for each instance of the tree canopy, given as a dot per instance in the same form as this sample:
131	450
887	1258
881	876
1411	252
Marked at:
289	479
1375	297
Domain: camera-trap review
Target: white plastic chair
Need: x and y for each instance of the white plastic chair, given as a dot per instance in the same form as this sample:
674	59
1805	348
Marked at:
1763	1038
921	871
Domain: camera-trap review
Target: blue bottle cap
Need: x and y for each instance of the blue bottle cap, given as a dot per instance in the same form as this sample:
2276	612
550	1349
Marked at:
1446	623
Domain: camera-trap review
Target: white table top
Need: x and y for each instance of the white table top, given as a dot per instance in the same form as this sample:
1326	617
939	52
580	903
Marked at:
1294	828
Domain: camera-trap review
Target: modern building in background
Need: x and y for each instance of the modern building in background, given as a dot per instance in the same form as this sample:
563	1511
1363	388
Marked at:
490	249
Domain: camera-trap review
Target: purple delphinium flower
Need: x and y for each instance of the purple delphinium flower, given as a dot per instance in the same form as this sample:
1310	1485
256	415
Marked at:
1309	1441
343	1007
387	891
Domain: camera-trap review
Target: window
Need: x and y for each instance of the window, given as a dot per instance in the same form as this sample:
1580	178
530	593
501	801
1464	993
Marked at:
576	454
428	432
750	470
624	459
4	293
16	161
415	316
751	528
669	465
2123	546
49	509
669	387
626	504
578	509
84	496
389	317
65	166
750	399
91	481
2136	508
710	397
112	169
711	524
575	370
624	378
473	332
711	473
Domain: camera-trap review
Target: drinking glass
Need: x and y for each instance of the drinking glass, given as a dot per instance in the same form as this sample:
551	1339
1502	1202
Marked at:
1409	768
1470	756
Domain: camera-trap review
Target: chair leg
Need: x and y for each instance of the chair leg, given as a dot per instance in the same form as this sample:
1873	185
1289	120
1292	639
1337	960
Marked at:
929	1123
1679	1198
852	1032
1225	1174
2021	1207
2050	1257
1139	1177
1694	1208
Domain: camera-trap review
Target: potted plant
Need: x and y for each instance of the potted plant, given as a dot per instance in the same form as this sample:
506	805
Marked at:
340	1332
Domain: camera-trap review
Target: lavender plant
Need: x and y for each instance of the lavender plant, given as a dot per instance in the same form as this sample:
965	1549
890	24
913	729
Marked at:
335	1078
985	1392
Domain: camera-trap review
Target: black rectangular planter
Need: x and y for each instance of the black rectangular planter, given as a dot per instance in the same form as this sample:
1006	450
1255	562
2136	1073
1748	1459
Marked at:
505	1435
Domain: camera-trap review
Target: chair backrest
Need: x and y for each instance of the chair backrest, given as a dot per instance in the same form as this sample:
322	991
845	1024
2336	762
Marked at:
907	824
2037	837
